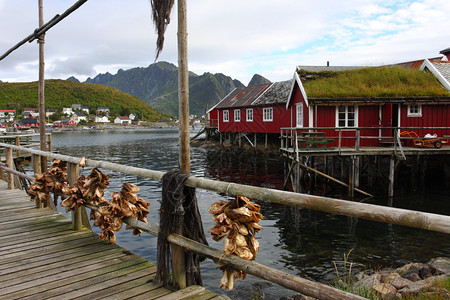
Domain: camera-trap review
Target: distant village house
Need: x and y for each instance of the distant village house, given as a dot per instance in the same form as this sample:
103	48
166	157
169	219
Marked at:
103	111
67	111
7	115
101	119
122	120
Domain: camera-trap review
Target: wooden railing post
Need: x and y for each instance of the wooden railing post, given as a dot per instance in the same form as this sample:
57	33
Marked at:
72	176
49	143
9	164
18	144
358	139
37	170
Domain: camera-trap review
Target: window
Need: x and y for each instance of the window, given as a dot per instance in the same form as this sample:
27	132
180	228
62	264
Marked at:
299	115
346	116
414	110
226	116
250	115
267	114
237	115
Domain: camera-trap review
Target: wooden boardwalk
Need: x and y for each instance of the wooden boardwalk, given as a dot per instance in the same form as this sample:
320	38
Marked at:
41	257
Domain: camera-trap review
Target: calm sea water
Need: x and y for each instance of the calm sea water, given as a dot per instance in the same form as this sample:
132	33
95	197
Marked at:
297	241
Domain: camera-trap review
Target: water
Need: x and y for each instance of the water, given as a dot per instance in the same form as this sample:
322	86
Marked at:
297	241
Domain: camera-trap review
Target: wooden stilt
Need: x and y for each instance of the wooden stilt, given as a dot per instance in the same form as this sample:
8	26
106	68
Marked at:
357	170
351	184
265	144
391	177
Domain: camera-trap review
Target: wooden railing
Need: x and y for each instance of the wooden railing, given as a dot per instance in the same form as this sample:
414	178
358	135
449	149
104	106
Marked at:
24	140
291	137
211	123
422	220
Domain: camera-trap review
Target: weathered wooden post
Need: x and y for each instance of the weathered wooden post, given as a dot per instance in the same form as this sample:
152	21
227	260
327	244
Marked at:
37	170
18	144
178	261
9	164
49	143
391	177
351	184
41	41
72	176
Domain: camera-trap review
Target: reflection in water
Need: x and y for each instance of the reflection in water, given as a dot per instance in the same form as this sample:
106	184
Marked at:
297	241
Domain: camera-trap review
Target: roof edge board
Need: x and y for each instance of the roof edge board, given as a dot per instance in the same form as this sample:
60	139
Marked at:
432	68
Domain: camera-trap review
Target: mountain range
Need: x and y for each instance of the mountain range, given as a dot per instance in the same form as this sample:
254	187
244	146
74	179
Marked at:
157	85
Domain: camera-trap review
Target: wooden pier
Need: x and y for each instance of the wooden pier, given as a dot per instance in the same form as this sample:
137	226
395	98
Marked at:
42	257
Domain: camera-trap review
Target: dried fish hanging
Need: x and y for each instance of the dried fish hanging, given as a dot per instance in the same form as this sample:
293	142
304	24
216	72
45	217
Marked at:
237	222
51	181
110	214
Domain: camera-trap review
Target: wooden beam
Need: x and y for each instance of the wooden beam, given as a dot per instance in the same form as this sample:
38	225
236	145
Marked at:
334	179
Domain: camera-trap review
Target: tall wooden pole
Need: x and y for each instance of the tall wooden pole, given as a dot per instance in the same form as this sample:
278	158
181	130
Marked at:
178	260
183	89
41	41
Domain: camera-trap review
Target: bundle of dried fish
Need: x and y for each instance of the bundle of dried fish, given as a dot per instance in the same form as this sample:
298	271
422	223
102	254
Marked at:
86	190
51	181
124	204
237	222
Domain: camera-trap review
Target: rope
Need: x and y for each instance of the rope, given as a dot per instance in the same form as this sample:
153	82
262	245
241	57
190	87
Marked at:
179	208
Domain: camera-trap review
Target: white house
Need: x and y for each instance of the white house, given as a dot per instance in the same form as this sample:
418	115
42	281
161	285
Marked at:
67	111
101	119
7	115
79	116
132	117
85	109
122	120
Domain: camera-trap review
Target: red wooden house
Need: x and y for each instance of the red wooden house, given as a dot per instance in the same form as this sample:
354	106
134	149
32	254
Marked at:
343	100
255	109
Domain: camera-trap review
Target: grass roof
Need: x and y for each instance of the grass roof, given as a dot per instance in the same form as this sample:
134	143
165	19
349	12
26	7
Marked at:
373	82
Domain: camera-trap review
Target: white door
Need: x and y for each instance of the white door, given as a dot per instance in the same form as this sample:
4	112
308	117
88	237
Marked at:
299	115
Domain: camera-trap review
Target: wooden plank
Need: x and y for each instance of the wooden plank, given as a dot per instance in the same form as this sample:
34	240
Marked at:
42	259
190	291
123	290
153	294
82	240
34	221
135	291
45	242
33	225
68	276
46	268
203	295
86	288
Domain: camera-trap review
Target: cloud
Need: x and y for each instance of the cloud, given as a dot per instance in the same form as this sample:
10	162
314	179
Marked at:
237	38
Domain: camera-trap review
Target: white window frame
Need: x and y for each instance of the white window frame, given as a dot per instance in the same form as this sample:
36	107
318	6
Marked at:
267	114
237	115
226	116
249	114
299	115
346	121
414	110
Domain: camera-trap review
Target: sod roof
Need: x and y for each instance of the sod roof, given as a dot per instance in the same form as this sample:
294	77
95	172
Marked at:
372	83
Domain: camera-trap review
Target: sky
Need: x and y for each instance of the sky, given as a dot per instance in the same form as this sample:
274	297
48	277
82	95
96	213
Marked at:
238	38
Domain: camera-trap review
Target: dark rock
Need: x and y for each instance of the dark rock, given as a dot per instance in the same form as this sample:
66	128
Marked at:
412	276
428	271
